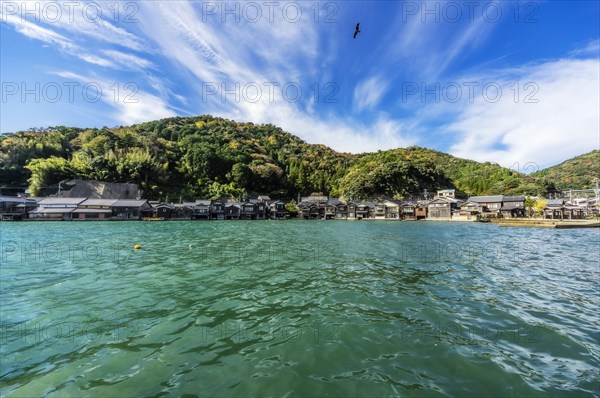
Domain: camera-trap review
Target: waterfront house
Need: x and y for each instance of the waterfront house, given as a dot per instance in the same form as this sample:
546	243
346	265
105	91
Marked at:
261	208
312	207
379	210
341	211
557	209
202	209
14	208
470	208
163	210
490	205
304	210
573	212
554	209
217	210
55	208
94	209
513	207
231	210
131	209
407	211
249	211
351	206
182	211
421	210
392	209
276	209
331	208
365	210
439	208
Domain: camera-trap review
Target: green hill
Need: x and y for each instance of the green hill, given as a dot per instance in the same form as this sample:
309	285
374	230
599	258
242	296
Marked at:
576	173
209	157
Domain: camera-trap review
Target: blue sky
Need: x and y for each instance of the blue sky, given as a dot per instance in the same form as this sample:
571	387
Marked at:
515	83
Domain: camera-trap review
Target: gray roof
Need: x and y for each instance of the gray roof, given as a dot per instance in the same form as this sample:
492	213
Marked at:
98	202
129	202
555	202
202	202
514	199
511	206
61	201
314	199
486	199
334	202
15	199
53	210
370	204
156	205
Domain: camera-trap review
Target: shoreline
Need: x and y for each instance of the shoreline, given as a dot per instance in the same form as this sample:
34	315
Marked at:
543	223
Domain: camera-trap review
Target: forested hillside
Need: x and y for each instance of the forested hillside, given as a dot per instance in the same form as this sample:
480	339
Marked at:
576	173
210	157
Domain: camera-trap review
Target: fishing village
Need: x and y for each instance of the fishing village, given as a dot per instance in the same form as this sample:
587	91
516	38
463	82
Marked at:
115	201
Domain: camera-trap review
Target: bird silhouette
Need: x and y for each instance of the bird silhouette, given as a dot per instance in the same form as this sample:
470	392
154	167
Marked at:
357	31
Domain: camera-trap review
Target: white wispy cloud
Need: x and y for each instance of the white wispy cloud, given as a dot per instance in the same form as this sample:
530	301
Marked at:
564	122
130	104
368	93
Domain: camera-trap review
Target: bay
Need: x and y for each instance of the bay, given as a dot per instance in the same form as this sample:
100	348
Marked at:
298	308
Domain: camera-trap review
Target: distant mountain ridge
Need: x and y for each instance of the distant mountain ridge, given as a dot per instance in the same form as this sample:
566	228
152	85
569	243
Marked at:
192	157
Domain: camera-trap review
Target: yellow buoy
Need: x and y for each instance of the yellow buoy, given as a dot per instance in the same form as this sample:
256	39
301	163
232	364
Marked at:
137	247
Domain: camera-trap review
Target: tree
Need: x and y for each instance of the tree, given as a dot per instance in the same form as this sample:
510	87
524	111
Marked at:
529	204
292	208
539	206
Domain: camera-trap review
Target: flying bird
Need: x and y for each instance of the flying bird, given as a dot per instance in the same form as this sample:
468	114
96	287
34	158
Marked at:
357	31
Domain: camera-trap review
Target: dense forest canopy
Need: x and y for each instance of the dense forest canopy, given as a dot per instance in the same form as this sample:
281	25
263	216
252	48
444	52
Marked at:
576	173
186	158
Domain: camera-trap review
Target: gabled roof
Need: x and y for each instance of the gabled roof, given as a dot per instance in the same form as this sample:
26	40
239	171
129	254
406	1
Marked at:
202	202
391	202
555	202
440	200
511	206
369	204
514	199
334	202
61	201
314	199
129	202
168	206
53	210
16	199
98	202
486	199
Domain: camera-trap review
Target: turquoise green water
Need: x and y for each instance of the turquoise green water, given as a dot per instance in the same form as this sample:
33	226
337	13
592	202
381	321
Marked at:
298	308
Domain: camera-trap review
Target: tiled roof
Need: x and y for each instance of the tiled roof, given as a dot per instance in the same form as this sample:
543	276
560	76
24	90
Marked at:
486	199
98	202
514	199
61	201
129	202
